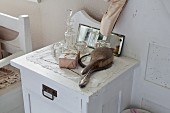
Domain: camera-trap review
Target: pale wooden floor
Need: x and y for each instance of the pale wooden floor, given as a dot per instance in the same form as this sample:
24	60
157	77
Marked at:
11	99
19	109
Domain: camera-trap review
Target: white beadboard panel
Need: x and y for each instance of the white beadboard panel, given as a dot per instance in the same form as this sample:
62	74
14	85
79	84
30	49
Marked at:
153	107
158	65
111	106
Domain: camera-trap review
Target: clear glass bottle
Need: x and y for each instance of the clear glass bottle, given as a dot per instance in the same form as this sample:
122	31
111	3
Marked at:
70	36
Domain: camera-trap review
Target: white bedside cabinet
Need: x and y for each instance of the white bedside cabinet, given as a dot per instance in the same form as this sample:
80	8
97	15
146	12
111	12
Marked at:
49	89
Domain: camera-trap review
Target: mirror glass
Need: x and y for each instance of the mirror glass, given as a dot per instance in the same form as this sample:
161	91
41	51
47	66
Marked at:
92	37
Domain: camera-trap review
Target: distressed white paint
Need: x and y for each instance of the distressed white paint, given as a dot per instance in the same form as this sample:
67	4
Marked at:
145	22
20	45
158	65
21	25
71	98
142	22
81	17
11	97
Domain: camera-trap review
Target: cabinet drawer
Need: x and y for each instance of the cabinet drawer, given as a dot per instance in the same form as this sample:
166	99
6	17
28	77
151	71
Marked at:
43	106
50	91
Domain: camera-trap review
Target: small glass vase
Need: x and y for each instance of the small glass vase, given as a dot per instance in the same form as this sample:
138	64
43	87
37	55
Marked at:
70	39
81	46
70	35
57	49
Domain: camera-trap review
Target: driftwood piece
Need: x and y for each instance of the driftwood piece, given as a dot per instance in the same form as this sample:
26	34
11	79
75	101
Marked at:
101	58
110	17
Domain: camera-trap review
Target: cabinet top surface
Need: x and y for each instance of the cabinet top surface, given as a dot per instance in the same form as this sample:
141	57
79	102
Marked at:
42	62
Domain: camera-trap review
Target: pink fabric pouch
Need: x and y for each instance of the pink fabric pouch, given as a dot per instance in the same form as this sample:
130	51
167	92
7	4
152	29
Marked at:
69	60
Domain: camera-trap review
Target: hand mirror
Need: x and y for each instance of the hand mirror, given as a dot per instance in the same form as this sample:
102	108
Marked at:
92	35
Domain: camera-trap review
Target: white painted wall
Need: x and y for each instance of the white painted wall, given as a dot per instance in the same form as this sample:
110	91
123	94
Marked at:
142	21
48	17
